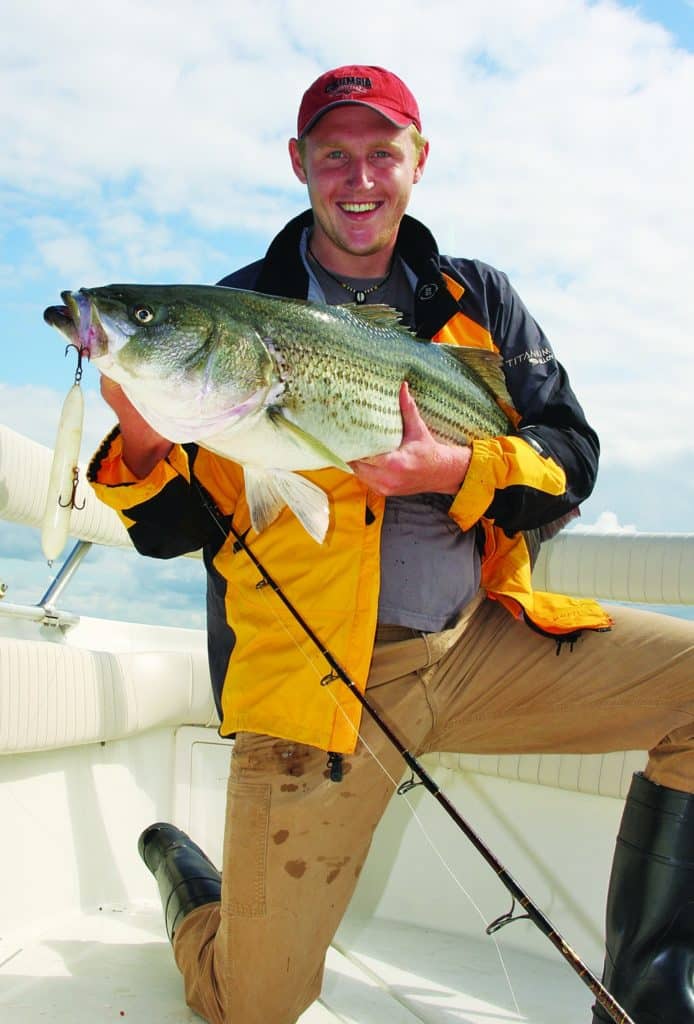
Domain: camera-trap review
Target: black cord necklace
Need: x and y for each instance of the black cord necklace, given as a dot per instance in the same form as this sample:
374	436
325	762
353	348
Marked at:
358	294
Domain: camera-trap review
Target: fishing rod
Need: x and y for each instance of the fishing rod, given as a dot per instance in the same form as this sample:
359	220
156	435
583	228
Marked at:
532	911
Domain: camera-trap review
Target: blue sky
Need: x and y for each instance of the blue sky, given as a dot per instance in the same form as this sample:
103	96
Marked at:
148	143
677	16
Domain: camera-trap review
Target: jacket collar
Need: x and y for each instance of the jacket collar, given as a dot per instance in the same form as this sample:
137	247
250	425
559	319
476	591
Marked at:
283	272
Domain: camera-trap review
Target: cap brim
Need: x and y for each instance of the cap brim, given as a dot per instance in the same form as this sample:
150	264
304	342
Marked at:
385	112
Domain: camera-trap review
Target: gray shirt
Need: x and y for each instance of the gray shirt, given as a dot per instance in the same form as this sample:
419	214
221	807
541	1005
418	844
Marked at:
430	568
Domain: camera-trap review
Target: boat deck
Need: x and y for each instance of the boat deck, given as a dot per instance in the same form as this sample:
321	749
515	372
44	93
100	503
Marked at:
107	726
83	938
115	965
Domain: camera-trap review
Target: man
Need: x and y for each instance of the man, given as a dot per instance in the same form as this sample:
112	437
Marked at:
421	591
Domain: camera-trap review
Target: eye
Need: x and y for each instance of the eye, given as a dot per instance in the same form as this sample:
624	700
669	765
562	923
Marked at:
143	314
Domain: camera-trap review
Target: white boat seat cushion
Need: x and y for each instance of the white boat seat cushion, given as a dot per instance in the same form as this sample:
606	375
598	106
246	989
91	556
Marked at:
53	695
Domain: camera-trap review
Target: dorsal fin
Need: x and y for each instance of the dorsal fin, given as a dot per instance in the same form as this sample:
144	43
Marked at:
378	315
488	367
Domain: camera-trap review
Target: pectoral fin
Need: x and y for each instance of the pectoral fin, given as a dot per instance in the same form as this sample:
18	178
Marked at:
268	491
305	440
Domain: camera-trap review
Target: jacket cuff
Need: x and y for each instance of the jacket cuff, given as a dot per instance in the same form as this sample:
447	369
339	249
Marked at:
499	462
477	492
118	487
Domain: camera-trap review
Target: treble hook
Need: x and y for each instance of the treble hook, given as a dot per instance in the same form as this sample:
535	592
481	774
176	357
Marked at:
80	353
72	503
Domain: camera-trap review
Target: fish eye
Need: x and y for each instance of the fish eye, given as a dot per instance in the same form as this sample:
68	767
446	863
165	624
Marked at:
143	314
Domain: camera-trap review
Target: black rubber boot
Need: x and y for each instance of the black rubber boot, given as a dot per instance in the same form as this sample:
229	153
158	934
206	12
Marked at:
186	877
649	963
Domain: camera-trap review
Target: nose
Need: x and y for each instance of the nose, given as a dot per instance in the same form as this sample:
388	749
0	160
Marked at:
359	176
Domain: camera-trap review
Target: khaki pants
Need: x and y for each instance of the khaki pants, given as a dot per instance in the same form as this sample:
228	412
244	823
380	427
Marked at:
295	842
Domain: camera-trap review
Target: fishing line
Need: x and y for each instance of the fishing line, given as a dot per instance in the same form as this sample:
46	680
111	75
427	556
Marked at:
532	911
413	811
214	512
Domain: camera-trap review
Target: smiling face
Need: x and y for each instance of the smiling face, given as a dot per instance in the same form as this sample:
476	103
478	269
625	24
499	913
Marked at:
359	169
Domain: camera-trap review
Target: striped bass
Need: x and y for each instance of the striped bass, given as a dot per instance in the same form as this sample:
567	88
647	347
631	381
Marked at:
280	385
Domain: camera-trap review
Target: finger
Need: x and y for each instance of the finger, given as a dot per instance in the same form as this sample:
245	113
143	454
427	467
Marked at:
414	427
108	387
364	472
114	396
407	402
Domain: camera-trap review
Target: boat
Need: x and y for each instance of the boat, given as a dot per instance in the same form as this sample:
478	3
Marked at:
107	726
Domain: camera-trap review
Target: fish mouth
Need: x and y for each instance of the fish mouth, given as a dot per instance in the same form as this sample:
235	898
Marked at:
78	320
61	318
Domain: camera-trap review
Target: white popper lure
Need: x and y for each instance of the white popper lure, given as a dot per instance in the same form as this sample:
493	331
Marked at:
60	499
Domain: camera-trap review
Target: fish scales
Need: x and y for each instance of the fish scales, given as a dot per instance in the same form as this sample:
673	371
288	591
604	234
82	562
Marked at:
281	386
349	353
332	384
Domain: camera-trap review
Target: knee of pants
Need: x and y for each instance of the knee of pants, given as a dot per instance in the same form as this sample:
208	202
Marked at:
194	952
671	761
219	1003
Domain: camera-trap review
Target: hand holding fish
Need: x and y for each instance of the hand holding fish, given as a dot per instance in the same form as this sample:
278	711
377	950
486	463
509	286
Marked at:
421	463
143	447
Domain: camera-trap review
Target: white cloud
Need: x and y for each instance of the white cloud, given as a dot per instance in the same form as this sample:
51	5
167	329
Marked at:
148	147
137	589
69	253
556	154
113	241
35	412
607	522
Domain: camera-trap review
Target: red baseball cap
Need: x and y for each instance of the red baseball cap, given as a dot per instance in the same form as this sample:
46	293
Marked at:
367	86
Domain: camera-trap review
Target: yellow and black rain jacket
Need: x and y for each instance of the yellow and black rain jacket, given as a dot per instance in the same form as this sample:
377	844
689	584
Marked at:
266	673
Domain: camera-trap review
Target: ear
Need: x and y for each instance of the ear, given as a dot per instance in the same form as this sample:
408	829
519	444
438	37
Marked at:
419	169
297	163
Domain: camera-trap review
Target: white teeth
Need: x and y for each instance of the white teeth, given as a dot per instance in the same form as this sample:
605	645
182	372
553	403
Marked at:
358	207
